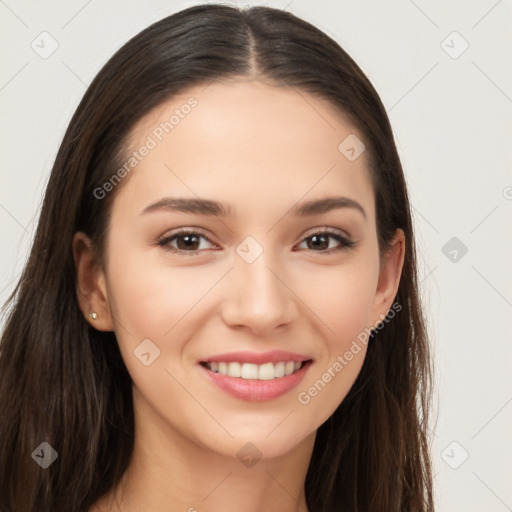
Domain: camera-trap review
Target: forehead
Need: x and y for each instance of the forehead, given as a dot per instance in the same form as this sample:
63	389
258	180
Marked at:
241	107
246	139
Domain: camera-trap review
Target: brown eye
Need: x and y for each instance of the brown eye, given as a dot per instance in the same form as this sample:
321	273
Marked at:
189	242
319	242
186	242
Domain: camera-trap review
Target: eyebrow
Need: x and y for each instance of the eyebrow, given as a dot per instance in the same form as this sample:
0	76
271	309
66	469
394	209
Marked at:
209	207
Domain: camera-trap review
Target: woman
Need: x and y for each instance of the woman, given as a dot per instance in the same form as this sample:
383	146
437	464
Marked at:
220	310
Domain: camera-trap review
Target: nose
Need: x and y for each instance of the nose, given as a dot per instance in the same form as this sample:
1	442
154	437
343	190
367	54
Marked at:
257	297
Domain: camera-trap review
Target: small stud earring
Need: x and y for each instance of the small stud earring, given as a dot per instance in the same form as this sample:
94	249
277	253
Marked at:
93	315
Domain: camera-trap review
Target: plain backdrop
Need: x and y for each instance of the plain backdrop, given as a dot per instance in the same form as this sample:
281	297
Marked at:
442	69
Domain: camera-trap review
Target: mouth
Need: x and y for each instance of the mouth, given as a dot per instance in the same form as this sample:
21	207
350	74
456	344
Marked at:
255	382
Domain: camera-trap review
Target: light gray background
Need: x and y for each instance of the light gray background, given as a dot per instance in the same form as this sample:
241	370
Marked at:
451	115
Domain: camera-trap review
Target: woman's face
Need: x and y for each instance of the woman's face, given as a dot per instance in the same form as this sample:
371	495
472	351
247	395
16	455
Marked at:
261	279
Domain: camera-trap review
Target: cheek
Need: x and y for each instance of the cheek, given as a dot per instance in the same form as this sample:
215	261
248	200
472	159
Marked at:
343	302
147	298
341	297
347	303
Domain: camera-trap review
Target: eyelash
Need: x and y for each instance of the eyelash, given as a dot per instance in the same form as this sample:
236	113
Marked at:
346	243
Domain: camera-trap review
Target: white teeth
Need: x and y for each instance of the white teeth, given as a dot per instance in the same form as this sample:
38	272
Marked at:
290	365
267	371
234	369
249	371
279	369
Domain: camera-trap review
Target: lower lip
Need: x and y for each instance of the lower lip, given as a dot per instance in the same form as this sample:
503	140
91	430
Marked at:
254	389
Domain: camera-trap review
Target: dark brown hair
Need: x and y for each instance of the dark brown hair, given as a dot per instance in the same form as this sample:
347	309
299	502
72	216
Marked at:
63	382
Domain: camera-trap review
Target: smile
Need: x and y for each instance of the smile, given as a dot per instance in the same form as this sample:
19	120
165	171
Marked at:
255	376
267	371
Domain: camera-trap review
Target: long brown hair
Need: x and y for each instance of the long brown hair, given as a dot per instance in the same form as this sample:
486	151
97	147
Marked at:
63	382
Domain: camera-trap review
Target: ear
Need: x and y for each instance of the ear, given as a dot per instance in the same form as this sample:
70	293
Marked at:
389	277
91	288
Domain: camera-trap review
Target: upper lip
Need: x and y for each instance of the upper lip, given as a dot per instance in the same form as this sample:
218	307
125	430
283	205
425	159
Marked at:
273	356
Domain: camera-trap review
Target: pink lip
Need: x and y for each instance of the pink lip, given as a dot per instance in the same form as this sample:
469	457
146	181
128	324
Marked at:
254	389
274	356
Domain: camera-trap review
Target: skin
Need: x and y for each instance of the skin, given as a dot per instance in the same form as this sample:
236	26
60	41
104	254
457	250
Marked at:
261	150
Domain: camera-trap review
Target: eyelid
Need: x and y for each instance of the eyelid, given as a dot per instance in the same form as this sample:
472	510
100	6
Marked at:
326	229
